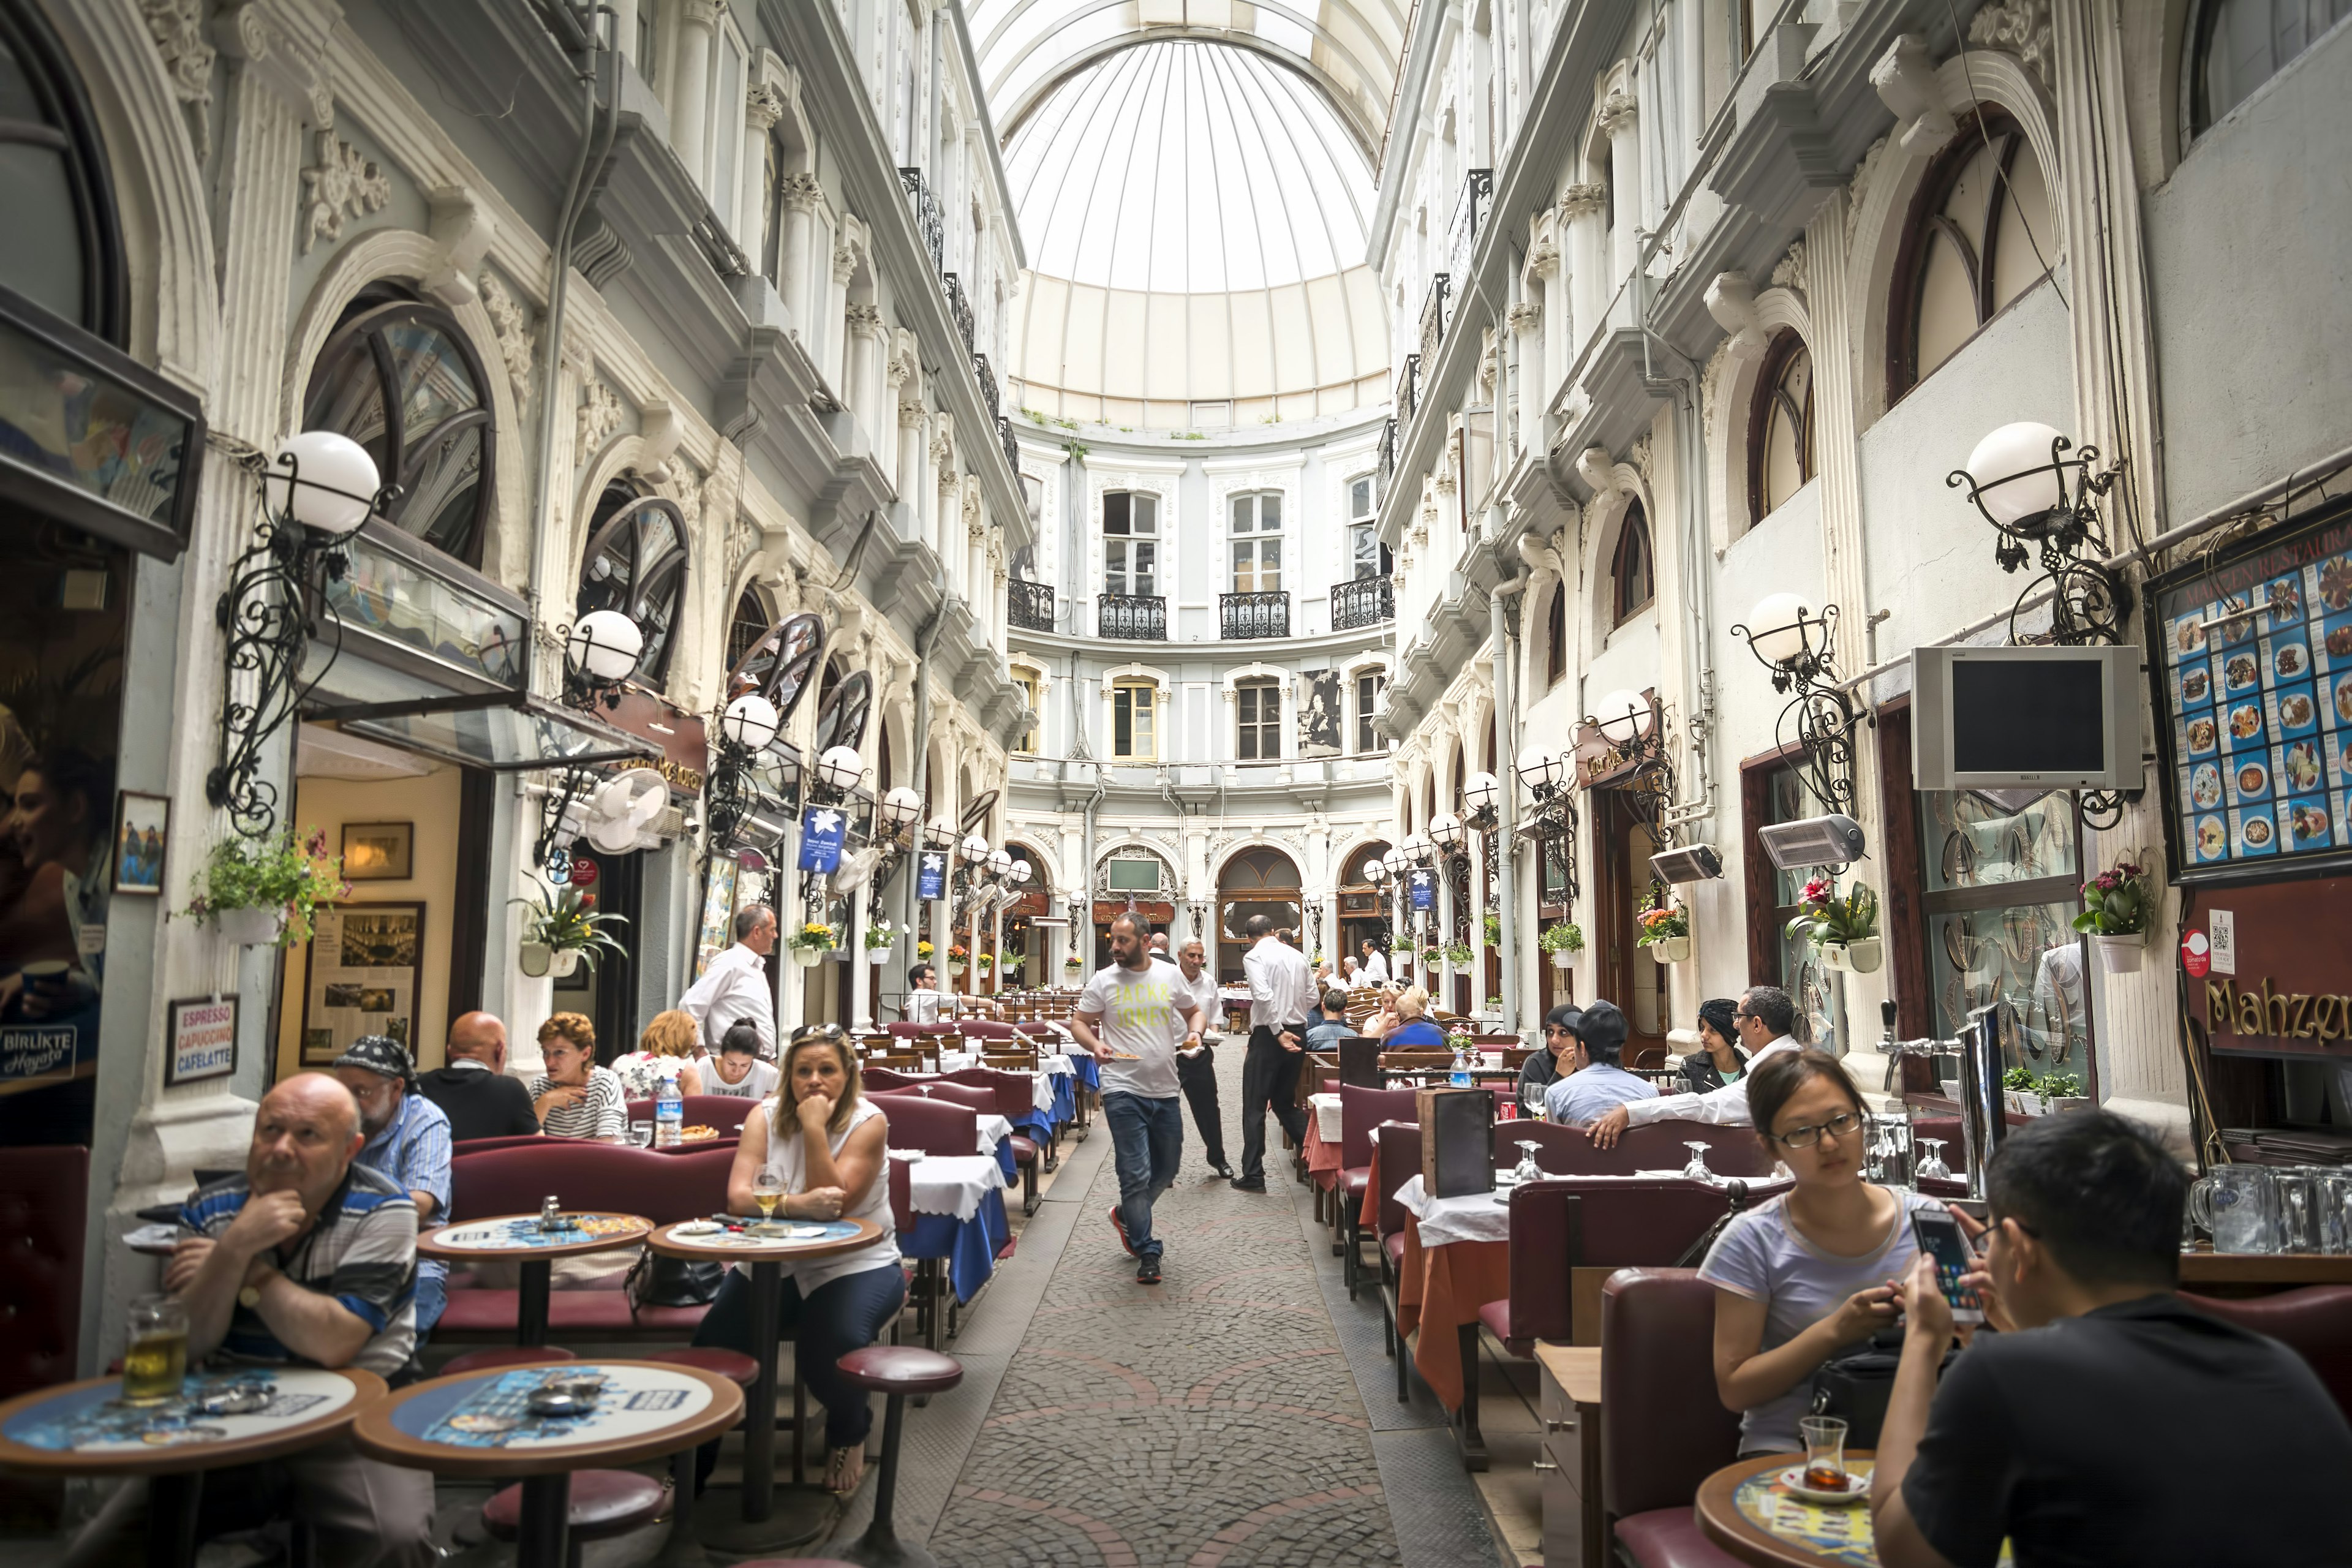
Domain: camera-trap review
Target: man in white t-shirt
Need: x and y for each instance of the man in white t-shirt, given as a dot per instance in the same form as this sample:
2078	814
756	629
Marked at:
1764	1019
1134	1017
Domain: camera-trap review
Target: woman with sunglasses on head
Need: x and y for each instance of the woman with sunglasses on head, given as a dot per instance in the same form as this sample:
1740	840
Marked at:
827	1143
1720	1059
1812	1271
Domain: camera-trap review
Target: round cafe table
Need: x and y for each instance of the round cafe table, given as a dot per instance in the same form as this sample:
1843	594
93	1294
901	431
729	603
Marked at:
759	1529
518	1238
83	1429
481	1425
1744	1509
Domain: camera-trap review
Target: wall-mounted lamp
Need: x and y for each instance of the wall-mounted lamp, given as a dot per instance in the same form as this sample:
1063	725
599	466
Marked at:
2027	486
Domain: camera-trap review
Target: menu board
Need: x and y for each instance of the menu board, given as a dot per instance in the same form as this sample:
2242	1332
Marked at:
2256	671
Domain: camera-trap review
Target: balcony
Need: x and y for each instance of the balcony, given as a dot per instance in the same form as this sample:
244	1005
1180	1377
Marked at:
1012	444
928	220
958	306
1469	212
1241	616
1029	606
988	392
1366	602
1434	319
1388	453
1408	387
1136	617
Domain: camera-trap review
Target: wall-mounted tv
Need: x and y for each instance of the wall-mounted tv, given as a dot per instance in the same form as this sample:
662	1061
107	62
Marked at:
2025	718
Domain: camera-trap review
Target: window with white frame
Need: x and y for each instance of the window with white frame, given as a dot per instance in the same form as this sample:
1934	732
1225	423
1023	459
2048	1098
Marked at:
1258	721
1130	526
1255	540
1368	687
1363	528
1031	685
1134	721
904	96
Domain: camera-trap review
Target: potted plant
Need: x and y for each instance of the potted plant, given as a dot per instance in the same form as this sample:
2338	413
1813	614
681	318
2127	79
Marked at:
879	938
1433	956
2058	1091
2115	909
1073	965
1563	940
810	942
2016	1087
562	929
1457	953
1843	931
922	949
987	962
263	892
1494	930
1665	927
956	956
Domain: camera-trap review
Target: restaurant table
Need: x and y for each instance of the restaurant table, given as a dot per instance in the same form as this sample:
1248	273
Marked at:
1323	1134
518	1238
959	1203
81	1429
758	1530
1577	1369
1744	1509
479	1425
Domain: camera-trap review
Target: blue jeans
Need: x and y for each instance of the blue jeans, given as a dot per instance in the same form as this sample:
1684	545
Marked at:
432	1298
1147	1141
841	1316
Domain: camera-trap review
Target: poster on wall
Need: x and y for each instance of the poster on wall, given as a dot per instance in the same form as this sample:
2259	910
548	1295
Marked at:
359	977
1318	714
204	1039
717	915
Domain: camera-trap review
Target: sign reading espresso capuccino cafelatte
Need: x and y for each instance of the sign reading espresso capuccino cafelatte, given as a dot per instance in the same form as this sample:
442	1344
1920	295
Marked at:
2290	994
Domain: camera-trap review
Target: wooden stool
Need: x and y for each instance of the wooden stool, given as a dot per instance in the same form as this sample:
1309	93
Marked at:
896	1370
501	1356
604	1503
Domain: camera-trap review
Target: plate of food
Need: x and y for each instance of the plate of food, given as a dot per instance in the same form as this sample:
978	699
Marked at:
2200	735
2294	710
2257	831
2302	765
2335	584
610	1224
697	1134
2344	701
2189	636
2339	640
2211	838
2195	684
2254	778
2240	672
2205	786
2286	602
2246	720
2310	825
2290	659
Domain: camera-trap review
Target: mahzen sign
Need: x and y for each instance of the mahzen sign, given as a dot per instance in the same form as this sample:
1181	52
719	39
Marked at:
2279	988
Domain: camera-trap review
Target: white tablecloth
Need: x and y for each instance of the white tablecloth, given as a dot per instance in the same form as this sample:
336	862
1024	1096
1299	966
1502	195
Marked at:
1327	1115
956	1061
951	1184
1479	1216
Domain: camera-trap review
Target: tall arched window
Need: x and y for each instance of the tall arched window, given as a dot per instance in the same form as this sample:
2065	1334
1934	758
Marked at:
1632	576
1555	635
2239	45
62	247
1979	234
1781	428
399	377
749	624
637	564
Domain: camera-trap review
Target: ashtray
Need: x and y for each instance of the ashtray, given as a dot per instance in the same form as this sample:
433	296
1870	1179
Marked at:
230	1402
556	1401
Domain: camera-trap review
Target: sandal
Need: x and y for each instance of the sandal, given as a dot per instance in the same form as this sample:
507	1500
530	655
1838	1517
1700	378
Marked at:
844	1468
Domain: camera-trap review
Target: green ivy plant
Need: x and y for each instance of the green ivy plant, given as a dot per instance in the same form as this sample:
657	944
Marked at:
565	920
280	873
1457	952
1494	930
1564	936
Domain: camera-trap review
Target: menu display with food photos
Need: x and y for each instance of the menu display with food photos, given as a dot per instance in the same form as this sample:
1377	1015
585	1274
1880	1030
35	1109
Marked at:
2256	671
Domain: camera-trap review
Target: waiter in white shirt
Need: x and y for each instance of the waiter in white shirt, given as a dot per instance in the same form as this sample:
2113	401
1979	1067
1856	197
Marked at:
1279	988
735	989
1196	1067
1764	1019
1374	970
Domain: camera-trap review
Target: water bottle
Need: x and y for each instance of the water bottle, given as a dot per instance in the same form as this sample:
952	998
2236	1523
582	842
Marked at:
669	1116
1461	1067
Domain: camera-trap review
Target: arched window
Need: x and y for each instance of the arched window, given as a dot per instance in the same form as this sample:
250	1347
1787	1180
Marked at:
62	247
637	564
1555	635
1633	579
749	624
2241	44
399	377
1980	233
1781	428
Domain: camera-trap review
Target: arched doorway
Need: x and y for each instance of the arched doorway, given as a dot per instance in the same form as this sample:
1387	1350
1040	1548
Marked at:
1254	882
1363	906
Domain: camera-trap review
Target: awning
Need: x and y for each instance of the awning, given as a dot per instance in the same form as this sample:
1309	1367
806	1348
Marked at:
507	731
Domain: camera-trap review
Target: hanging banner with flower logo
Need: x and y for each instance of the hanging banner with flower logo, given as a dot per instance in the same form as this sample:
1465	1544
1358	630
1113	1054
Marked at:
822	831
1424	890
931	876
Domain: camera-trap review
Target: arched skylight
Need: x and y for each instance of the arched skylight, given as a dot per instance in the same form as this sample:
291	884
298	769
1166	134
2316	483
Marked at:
1188	167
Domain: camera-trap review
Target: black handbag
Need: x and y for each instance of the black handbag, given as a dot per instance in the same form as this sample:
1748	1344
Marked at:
658	1281
1855	1386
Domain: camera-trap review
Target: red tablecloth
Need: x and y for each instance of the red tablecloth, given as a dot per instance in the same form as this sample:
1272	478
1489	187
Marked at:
1439	1288
1321	1157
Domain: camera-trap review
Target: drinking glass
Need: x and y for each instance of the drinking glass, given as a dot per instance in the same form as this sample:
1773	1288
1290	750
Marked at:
155	1359
1696	1170
767	1190
1825	1452
1528	1170
1533	1096
1932	1168
2335	1211
2238	1206
1890	1150
2300	1195
641	1134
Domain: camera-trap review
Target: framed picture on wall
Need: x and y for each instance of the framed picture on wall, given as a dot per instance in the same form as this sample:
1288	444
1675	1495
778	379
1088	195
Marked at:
204	1039
142	829
359	977
379	851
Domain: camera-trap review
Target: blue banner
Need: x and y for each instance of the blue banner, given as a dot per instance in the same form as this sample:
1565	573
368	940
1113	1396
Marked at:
1424	890
931	876
822	831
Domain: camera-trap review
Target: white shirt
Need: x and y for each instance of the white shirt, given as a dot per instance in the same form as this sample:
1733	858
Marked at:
1725	1107
1139	1016
1202	993
758	1084
923	1006
1374	970
1279	984
735	988
788	1160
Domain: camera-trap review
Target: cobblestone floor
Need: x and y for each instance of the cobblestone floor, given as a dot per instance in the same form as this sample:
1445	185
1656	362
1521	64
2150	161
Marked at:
1209	1421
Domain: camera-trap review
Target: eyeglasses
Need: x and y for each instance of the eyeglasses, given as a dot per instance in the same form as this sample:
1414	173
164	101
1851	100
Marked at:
1837	1126
819	1032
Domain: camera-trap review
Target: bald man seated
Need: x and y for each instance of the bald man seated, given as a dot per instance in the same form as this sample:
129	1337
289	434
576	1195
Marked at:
473	1092
309	1259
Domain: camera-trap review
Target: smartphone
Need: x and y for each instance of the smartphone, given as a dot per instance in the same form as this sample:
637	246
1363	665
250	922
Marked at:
1940	1237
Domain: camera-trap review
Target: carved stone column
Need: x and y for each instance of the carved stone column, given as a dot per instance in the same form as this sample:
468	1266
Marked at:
906	473
689	110
1583	255
864	389
762	107
1620	122
796	270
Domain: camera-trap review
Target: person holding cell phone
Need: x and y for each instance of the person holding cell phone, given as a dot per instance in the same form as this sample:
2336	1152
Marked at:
1812	1271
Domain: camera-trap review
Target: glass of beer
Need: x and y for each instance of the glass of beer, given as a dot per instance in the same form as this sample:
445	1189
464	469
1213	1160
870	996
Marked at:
155	1362
767	1190
1825	1452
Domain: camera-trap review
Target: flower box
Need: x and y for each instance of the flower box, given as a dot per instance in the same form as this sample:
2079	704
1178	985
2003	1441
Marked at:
2120	954
1670	949
1859	957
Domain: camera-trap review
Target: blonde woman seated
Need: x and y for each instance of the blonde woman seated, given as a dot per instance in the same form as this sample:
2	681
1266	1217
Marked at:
665	1054
825	1144
1409	1026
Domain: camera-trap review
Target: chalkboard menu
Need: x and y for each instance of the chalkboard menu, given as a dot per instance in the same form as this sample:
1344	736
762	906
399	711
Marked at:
2255	661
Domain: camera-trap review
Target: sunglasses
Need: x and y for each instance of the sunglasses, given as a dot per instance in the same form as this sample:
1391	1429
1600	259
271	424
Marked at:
820	1032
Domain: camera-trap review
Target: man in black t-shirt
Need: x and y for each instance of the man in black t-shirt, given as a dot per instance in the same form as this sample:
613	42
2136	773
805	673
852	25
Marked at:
2110	1422
474	1091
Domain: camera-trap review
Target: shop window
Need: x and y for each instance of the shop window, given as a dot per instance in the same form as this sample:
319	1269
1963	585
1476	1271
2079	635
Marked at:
1368	689
1130	528
1555	635
1256	543
1981	234
2241	44
62	247
1257	708
1134	728
637	564
1632	580
399	377
1781	428
2000	890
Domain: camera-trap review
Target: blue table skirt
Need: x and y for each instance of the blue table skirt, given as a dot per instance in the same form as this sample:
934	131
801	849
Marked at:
1040	1124
1089	1070
970	1246
1006	1161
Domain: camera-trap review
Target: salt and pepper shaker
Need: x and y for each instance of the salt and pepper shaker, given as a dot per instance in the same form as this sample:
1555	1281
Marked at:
550	1213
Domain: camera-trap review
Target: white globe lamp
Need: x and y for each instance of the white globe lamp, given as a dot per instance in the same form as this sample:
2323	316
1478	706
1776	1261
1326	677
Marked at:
1481	791
1779	630
604	647
840	768
901	806
333	483
1623	716
749	723
2015	474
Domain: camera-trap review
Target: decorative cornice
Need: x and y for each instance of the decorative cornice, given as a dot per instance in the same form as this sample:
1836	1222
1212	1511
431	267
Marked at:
866	318
178	28
1526	316
910	414
802	193
1616	114
2020	26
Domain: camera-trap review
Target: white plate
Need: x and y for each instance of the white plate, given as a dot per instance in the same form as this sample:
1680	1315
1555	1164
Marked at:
1794	1480
699	1228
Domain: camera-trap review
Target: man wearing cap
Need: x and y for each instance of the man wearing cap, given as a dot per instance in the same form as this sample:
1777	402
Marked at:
407	1140
1595	1083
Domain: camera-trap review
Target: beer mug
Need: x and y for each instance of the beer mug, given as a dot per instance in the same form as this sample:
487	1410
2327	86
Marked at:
155	1358
2335	1211
2238	1206
2300	1197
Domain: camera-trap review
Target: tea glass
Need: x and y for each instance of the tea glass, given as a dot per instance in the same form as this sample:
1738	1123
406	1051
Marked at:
1696	1170
1825	1452
2335	1210
2301	1197
641	1134
1527	1170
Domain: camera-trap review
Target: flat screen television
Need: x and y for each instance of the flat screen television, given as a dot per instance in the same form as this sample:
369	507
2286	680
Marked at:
2025	718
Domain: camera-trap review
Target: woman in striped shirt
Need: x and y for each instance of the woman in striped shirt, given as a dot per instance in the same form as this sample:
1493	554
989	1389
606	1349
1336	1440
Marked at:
574	1097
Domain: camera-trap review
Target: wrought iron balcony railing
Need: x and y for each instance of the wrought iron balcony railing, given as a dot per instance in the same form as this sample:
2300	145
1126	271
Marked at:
928	221
1139	617
1388	453
1408	388
1366	602
1469	214
1243	615
958	306
988	394
1433	318
1029	606
1012	443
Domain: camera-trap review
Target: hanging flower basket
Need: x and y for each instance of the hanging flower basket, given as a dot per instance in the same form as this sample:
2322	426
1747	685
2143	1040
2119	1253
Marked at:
251	928
1670	949
563	963
1861	956
810	942
2120	954
807	957
1563	959
537	958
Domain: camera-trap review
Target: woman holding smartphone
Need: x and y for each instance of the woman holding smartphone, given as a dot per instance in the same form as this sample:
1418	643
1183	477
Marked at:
1812	1271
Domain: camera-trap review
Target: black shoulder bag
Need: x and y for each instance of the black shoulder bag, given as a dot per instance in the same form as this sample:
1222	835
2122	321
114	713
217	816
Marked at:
656	1281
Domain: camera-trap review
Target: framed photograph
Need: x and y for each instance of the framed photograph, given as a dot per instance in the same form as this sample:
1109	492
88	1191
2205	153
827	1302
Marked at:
379	851
143	825
204	1039
359	977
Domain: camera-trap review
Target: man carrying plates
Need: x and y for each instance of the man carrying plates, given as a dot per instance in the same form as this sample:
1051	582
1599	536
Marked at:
1134	1018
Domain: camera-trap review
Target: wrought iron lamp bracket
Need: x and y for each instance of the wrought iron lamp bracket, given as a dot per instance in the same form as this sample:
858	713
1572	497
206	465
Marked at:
2087	601
1819	713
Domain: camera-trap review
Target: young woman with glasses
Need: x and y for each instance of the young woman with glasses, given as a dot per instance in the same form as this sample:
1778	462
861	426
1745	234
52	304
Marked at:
1813	1270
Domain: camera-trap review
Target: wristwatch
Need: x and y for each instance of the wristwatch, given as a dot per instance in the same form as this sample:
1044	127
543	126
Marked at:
249	1297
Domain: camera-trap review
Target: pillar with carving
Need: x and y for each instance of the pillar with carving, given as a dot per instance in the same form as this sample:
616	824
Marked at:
763	105
689	109
797	267
1620	122
1584	257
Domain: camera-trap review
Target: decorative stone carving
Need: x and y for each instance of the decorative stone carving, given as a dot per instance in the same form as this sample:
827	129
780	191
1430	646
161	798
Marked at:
844	263
1864	174
2020	26
1583	201
510	320
1638	454
178	28
894	370
1526	316
600	415
1543	260
866	318
802	193
973	528
1445	479
742	539
763	105
1616	114
702	12
910	414
340	186
688	499
1790	273
1731	301
1905	80
1710	384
